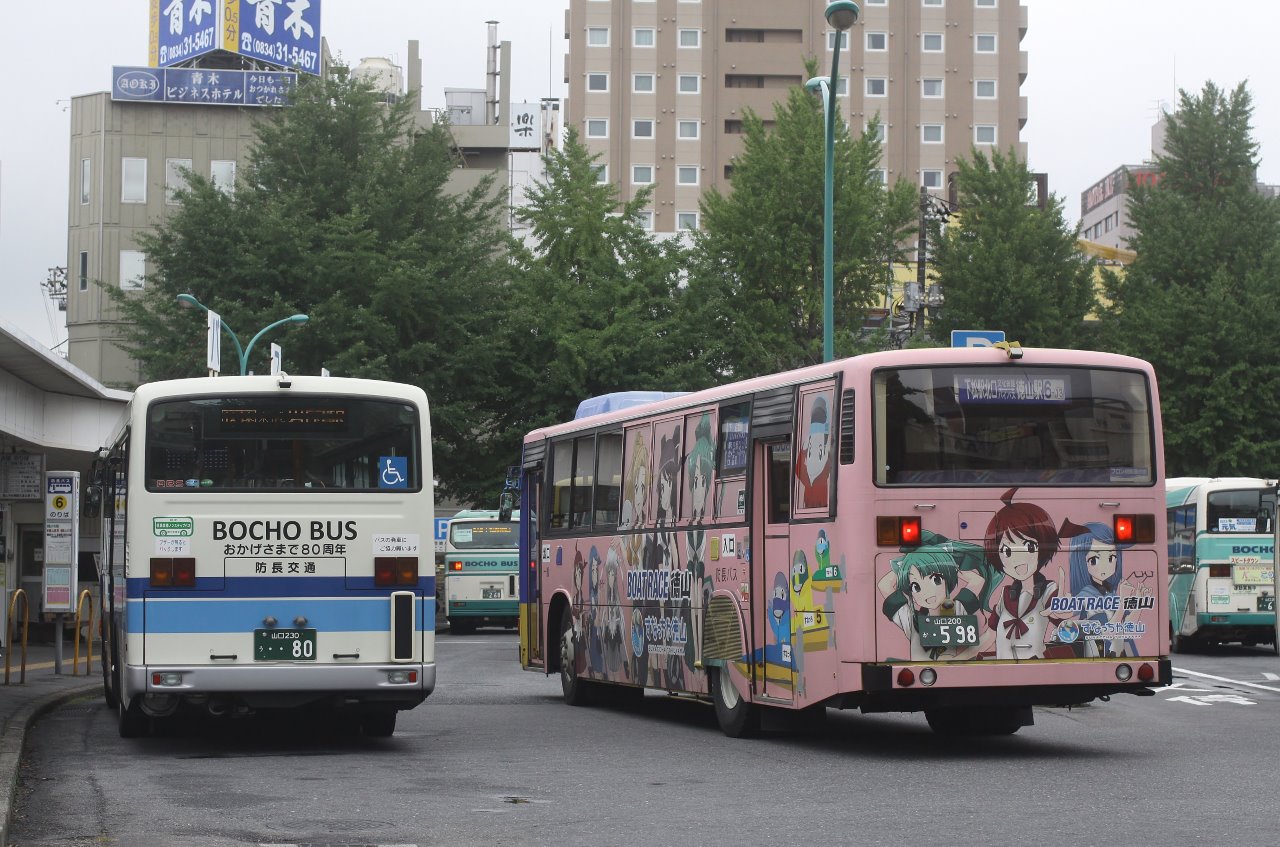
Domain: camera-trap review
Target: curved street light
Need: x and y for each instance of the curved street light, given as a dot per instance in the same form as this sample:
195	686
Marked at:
841	15
188	301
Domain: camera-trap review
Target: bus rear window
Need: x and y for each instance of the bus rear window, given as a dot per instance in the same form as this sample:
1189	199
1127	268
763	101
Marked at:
1001	425
271	443
1248	510
478	535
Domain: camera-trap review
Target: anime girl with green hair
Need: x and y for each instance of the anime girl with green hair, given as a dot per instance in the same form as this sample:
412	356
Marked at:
938	578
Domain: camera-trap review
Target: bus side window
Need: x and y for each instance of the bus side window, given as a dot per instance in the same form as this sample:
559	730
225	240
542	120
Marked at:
561	476
608	479
731	460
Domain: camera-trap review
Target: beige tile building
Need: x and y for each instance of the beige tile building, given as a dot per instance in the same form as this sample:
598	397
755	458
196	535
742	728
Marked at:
659	87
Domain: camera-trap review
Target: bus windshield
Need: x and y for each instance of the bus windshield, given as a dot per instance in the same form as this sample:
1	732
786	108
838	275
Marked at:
983	425
1241	510
294	442
479	535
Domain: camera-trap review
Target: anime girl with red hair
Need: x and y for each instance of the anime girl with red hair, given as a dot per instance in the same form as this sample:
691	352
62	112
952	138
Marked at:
1020	541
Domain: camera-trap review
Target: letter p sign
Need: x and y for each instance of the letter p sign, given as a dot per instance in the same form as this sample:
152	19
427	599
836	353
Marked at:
976	337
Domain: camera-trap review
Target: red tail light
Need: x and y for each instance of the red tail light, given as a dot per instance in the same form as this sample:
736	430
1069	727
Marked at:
1135	529
1146	673
1220	570
173	573
906	677
897	532
455	566
395	570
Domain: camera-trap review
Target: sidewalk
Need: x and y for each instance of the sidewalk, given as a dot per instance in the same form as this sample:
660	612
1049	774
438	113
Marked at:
22	702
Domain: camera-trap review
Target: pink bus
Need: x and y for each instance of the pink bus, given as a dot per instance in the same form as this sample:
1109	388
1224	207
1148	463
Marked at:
964	532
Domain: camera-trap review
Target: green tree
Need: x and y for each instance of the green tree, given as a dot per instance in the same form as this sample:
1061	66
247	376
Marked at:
755	290
1005	264
344	213
594	311
1201	301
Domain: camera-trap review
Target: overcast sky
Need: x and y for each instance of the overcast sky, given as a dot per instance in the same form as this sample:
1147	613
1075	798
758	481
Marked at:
1099	71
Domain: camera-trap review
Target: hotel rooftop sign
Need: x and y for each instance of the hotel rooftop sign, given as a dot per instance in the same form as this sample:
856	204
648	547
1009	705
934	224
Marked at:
280	32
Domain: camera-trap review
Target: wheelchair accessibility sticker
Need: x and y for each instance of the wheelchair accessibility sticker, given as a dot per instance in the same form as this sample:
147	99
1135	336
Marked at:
394	471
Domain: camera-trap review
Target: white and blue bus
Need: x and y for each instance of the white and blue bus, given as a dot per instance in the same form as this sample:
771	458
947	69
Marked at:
267	550
482	565
1221	561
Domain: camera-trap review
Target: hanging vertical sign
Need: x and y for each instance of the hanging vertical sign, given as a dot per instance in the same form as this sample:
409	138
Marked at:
61	540
213	344
277	359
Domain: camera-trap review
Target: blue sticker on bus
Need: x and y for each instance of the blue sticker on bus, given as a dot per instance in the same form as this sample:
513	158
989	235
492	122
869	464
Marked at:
393	471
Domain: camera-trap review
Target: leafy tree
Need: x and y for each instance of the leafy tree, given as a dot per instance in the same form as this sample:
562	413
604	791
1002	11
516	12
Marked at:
1200	301
755	291
1005	264
595	308
344	214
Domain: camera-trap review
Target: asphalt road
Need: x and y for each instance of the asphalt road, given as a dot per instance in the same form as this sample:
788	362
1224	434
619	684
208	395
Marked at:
495	757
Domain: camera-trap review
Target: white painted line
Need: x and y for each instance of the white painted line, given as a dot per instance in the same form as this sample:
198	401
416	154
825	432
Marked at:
1229	681
1271	676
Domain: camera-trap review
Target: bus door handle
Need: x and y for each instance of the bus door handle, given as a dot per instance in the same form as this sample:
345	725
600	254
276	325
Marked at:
924	507
1110	504
213	657
346	655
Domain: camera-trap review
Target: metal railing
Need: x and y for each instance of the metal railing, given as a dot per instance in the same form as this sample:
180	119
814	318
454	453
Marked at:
8	654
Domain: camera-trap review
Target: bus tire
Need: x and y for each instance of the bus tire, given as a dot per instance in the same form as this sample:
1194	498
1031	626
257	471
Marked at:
737	717
576	691
461	626
1179	643
380	723
132	722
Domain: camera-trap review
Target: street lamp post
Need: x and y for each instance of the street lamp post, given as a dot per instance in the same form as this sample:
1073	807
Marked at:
187	301
841	15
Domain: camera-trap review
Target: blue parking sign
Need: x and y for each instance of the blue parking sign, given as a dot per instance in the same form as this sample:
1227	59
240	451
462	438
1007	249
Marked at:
976	337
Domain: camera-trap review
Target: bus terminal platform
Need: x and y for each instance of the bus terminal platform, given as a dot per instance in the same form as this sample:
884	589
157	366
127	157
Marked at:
21	702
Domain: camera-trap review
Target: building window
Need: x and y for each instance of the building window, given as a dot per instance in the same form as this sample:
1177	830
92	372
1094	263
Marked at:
880	176
686	220
86	181
133	265
687	129
688	84
597	128
223	174
984	134
877	86
83	276
602	173
642	83
175	178
597	36
881	133
842	87
985	4
642	128
597	82
931	88
690	38
984	89
931	179
933	2
831	40
642	174
985	42
687	175
133	181
931	133
642	36
877	2
931	42
644	217
877	42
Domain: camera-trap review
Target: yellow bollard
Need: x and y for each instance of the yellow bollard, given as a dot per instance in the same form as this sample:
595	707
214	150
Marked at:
8	654
88	662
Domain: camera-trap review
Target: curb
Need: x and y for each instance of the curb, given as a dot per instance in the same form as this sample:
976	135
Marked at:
14	739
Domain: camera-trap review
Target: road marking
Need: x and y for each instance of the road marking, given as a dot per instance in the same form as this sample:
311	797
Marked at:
1271	676
1229	681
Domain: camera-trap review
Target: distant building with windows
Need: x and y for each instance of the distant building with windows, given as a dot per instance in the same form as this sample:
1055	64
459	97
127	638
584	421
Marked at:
659	88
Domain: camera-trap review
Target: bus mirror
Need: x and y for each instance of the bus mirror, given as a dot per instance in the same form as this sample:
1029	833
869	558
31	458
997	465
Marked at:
506	503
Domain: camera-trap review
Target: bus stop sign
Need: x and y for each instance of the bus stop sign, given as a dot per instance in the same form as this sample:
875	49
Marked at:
976	337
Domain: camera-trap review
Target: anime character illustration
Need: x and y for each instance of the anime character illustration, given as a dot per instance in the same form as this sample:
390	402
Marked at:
668	473
1020	541
615	648
813	465
593	617
1096	569
780	621
580	616
635	486
940	578
695	555
639	648
698	468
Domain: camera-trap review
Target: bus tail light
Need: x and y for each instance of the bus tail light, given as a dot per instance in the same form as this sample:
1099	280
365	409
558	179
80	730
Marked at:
1146	673
906	677
897	532
173	573
1220	570
395	570
1135	529
455	566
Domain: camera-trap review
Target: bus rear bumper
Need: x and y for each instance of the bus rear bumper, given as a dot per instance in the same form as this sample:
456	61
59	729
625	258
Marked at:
404	684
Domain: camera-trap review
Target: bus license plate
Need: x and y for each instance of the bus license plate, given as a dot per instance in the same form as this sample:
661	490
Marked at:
948	630
1266	603
491	594
284	645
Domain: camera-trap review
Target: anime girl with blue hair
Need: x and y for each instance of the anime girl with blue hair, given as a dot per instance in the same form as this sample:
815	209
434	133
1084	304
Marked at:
1097	571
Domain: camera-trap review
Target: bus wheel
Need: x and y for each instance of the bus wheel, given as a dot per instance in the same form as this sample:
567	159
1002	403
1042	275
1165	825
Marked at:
132	722
737	717
461	626
575	690
379	724
1179	643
